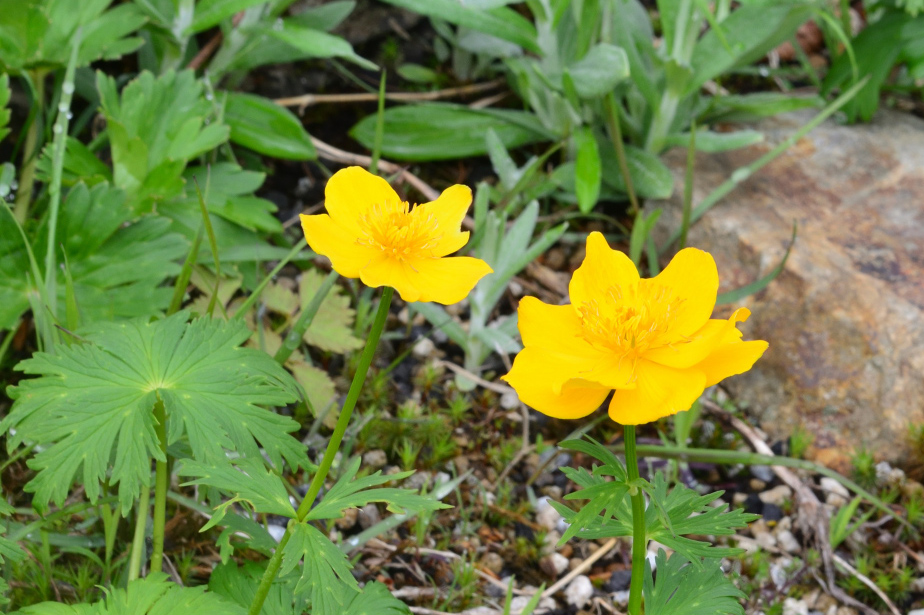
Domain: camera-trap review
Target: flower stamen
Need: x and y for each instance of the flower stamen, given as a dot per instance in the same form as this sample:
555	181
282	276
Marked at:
399	230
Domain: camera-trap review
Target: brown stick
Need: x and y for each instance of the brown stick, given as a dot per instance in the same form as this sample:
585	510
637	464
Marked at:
306	100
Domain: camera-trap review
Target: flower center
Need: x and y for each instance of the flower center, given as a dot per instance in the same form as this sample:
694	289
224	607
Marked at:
400	231
629	322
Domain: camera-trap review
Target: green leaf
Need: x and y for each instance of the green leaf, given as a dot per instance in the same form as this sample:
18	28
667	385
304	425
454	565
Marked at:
740	108
749	32
117	265
443	131
350	493
375	599
325	577
598	72
38	33
650	177
313	43
155	127
247	479
210	13
325	17
587	170
267	128
152	595
502	22
712	142
91	409
227	190
688	589
239	584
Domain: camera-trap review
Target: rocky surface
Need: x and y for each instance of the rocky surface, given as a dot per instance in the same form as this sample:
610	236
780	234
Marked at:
845	319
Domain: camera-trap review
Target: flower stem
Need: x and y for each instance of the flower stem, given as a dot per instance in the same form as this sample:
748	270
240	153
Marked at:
30	148
141	527
160	490
333	446
639	541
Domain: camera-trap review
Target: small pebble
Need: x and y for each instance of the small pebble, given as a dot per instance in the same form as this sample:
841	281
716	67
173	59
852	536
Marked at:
423	347
554	564
509	400
771	513
835	493
887	476
791	606
548	518
519	603
788	542
763	473
621	598
375	459
777	495
493	562
554	492
579	591
276	531
619	581
777	575
417	480
757	485
918	585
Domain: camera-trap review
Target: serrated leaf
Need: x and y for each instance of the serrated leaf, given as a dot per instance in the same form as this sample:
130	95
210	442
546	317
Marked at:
325	577
92	406
375	599
332	327
152	595
155	126
39	33
247	479
317	384
228	192
239	584
692	590
117	264
350	493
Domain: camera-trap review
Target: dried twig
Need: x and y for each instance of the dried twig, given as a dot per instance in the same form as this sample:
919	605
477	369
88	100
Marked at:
503	389
866	581
306	100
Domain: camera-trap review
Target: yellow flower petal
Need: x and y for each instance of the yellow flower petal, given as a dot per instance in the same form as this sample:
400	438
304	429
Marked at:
731	359
442	280
448	211
602	269
351	192
661	391
693	279
556	327
533	375
701	344
329	239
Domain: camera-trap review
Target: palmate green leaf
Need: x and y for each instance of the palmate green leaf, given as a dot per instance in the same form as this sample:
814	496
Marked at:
239	584
152	595
375	599
350	493
117	264
9	550
247	479
691	590
92	408
325	576
442	131
265	127
155	126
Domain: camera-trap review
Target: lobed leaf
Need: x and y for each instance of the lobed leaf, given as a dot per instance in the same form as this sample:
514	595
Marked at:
684	588
91	409
246	479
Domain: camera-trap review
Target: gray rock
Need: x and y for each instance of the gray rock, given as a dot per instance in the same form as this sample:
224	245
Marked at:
493	562
788	542
375	459
776	496
554	564
791	606
845	319
836	494
369	516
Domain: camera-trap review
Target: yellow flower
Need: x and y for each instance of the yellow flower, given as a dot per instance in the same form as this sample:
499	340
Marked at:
371	234
649	341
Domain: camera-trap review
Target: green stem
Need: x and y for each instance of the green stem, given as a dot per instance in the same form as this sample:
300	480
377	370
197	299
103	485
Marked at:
639	542
29	153
612	123
333	446
160	490
141	528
